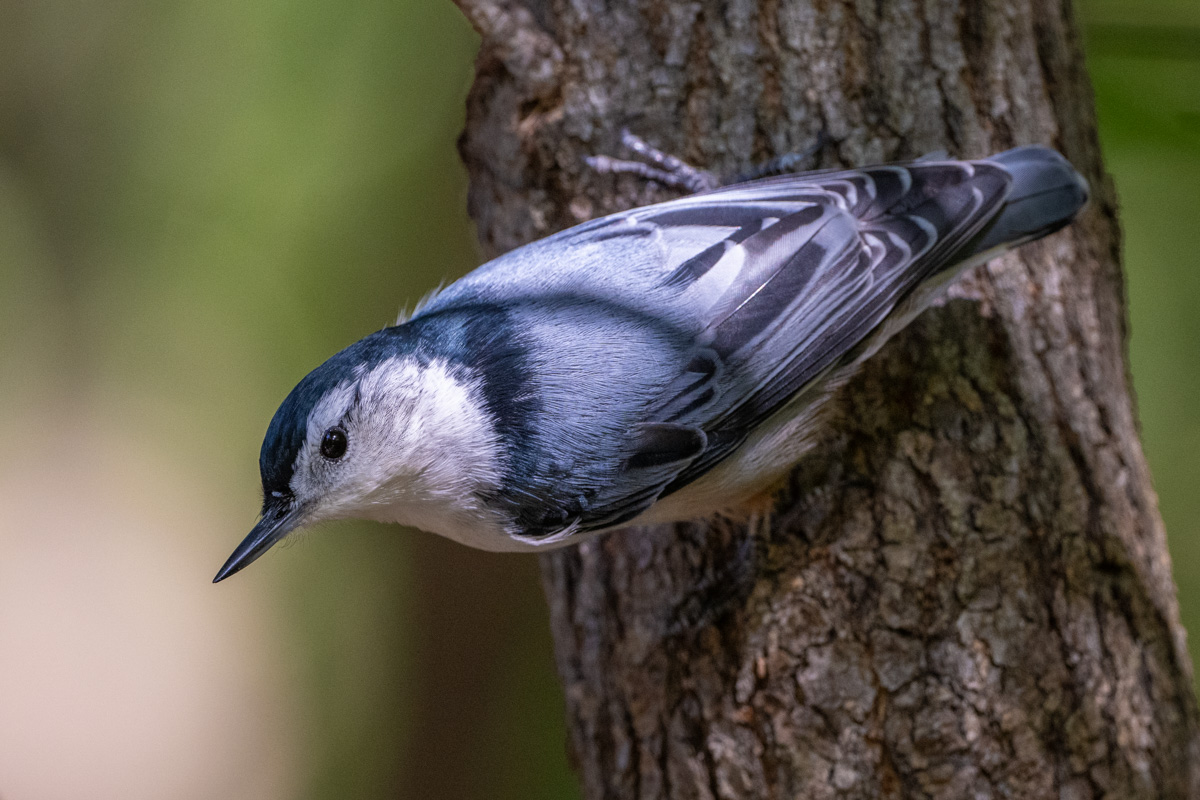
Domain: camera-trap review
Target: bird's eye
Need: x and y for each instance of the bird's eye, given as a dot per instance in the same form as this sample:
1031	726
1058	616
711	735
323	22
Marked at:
333	444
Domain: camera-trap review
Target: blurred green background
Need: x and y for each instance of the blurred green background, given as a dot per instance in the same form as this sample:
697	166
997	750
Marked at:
199	202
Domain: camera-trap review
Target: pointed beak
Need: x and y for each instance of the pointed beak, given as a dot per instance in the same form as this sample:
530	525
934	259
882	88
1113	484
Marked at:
277	522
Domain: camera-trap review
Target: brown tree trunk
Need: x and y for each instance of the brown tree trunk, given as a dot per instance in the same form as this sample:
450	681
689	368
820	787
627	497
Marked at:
965	592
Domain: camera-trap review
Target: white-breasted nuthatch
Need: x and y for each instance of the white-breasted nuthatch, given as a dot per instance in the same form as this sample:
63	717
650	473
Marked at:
654	365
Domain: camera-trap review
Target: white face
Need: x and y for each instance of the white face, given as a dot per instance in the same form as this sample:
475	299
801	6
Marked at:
402	443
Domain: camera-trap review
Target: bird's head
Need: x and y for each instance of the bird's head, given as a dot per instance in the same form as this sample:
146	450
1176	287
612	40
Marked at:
376	432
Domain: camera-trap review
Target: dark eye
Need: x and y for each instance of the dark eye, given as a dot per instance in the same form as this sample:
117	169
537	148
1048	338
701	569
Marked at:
333	444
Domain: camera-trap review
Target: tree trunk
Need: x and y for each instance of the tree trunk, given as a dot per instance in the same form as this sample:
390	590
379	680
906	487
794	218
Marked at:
965	591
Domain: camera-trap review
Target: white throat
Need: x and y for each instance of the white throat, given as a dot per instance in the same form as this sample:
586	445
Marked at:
423	450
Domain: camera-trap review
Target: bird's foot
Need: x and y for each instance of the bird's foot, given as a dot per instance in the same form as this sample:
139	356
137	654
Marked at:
656	166
661	167
782	165
722	589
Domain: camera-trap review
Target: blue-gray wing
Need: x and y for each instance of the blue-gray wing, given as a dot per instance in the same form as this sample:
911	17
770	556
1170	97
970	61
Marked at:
769	283
804	268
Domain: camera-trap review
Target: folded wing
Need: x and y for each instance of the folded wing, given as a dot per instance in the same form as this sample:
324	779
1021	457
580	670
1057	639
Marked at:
789	275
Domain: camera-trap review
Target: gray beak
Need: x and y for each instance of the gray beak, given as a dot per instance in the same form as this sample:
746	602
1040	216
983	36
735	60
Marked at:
277	521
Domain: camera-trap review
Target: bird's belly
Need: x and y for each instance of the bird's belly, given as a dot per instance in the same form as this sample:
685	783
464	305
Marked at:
754	468
472	525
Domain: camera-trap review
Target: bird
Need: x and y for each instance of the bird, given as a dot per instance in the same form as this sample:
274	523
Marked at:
658	364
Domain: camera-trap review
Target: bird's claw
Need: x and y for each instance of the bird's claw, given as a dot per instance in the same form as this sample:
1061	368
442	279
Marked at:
662	167
657	166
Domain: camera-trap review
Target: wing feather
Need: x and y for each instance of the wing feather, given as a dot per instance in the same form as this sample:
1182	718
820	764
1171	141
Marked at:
810	266
777	281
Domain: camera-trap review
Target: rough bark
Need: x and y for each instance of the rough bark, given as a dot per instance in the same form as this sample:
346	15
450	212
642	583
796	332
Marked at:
965	591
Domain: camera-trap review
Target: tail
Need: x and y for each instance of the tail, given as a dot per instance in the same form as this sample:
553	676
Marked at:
1046	194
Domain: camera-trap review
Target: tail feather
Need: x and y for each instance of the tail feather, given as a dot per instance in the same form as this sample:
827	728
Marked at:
1046	195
